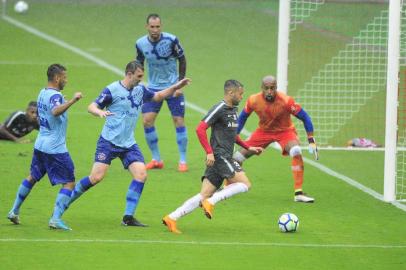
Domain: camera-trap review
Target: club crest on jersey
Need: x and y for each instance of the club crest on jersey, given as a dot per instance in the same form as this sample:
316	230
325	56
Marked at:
163	50
135	98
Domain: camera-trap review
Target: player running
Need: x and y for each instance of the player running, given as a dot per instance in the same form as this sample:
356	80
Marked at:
123	100
222	119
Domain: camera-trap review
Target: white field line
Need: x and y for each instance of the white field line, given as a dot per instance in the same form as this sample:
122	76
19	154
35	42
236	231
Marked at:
192	106
34	63
203	243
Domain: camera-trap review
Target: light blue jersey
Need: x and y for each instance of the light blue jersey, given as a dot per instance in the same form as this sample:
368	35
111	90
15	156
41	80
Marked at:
161	58
126	107
51	138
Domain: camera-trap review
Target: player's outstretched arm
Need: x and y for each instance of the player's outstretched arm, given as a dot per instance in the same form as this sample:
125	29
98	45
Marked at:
60	109
6	134
161	95
242	118
94	109
253	149
256	150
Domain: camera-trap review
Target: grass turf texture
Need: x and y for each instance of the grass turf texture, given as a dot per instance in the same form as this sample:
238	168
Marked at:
222	39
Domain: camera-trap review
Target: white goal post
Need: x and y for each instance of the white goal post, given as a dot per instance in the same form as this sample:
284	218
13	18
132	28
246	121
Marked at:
391	100
386	28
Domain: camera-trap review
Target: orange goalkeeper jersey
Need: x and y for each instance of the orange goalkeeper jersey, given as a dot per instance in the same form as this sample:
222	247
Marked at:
273	116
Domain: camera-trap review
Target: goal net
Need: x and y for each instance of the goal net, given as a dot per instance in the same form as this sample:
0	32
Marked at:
338	54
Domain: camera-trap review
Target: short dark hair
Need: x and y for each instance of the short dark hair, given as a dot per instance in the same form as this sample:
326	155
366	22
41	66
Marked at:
153	16
32	104
232	84
133	66
53	70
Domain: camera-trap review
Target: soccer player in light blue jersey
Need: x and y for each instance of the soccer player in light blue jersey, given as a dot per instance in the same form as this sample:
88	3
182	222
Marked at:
122	100
162	51
50	153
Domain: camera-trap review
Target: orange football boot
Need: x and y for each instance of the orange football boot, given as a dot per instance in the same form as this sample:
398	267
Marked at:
183	167
171	224
208	208
153	164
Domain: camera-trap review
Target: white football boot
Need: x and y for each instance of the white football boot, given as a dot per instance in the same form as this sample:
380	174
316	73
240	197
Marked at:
303	197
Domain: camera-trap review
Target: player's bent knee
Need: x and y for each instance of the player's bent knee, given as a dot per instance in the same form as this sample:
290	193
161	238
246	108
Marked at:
96	178
69	185
248	185
295	151
141	176
178	121
31	180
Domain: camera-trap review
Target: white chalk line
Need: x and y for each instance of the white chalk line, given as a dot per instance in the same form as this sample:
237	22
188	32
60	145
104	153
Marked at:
204	243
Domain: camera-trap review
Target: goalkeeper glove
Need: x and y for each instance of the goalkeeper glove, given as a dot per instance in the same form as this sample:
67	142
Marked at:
313	148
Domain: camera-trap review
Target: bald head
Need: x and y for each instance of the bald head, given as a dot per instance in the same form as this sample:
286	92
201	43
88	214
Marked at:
269	87
268	79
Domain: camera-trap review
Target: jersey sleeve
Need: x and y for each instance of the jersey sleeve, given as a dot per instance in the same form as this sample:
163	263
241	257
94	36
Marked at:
148	94
213	114
307	121
15	116
242	118
55	100
202	136
104	99
248	105
140	55
293	107
177	48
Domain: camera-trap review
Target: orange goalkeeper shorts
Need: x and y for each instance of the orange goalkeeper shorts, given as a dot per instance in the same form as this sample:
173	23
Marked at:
261	138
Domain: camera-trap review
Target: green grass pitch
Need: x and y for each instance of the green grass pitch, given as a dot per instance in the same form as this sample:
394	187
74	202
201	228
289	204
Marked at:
344	229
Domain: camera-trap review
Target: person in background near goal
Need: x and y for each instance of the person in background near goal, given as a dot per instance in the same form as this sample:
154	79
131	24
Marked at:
122	100
50	153
222	118
274	109
19	124
162	51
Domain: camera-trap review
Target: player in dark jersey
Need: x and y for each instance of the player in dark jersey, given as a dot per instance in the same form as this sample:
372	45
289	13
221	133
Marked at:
222	119
19	124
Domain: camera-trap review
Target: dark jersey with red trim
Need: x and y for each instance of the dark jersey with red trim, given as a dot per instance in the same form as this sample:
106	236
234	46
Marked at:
18	124
223	122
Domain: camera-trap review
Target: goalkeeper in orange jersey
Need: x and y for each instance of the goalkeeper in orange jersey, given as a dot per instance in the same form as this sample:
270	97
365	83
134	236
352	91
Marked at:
274	109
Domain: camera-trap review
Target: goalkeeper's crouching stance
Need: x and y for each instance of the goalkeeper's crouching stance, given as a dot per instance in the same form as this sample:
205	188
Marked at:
274	110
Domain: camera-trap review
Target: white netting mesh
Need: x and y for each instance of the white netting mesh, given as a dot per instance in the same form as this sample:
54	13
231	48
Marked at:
349	81
401	168
346	97
301	9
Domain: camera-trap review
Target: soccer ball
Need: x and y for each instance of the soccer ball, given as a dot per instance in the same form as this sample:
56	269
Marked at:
21	7
288	222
